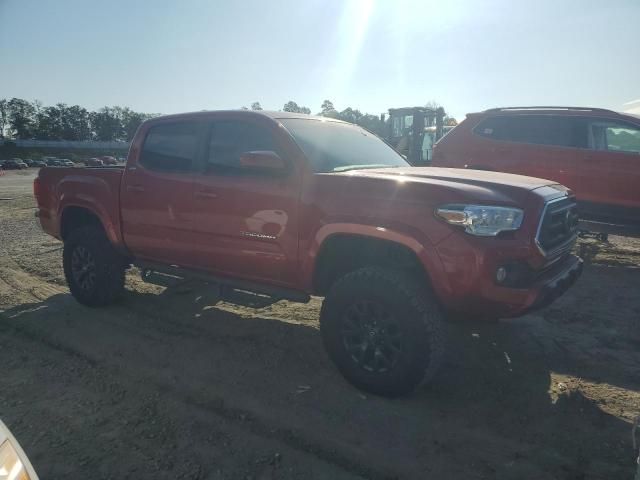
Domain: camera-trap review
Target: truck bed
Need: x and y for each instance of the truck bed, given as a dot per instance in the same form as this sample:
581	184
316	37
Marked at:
94	188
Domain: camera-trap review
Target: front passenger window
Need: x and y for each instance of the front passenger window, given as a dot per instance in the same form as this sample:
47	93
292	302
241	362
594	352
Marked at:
230	139
613	136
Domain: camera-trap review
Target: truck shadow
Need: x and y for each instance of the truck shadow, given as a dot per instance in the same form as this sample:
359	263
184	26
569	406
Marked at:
497	408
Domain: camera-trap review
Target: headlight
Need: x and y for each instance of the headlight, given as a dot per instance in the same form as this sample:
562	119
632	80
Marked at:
482	220
14	464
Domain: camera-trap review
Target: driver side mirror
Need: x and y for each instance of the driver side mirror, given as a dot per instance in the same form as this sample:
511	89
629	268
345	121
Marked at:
262	161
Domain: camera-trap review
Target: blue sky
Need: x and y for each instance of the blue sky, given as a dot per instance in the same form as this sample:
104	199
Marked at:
172	56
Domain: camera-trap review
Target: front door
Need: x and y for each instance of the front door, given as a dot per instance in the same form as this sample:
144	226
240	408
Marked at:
157	194
245	222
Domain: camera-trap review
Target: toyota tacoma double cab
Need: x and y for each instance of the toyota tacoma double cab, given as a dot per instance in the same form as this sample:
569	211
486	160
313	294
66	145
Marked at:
288	206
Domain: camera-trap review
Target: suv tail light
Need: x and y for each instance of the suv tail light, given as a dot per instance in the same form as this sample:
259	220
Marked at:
37	188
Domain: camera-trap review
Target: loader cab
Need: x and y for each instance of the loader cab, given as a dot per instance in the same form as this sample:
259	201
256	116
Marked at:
406	132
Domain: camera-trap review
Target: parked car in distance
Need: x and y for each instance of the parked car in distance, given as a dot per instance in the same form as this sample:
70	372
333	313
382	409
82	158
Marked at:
93	162
109	160
593	151
53	162
65	162
38	164
20	162
289	205
14	165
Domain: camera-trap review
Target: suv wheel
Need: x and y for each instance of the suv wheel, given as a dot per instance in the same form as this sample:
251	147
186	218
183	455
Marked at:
92	267
383	330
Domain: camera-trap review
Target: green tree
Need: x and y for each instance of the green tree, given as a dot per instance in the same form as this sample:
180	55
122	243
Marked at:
256	106
131	121
350	115
4	116
48	125
106	124
293	107
77	125
372	123
21	117
328	110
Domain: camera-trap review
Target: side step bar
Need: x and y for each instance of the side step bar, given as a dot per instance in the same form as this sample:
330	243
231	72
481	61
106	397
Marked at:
171	275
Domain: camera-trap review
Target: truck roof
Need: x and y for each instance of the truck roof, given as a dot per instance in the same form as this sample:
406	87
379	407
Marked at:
276	115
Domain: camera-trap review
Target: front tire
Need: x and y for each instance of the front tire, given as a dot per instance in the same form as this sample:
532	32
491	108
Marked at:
383	330
93	268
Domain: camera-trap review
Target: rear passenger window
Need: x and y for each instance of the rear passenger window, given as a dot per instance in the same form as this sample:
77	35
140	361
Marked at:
230	139
536	129
170	147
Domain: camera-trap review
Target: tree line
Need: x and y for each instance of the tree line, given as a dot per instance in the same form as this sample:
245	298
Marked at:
371	122
21	119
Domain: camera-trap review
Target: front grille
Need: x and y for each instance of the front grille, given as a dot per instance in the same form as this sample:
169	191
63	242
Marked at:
558	227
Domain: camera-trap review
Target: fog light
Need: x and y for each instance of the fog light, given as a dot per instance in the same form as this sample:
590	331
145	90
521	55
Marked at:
501	274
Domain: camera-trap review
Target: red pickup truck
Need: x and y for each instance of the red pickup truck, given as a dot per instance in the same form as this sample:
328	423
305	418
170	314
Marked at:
288	206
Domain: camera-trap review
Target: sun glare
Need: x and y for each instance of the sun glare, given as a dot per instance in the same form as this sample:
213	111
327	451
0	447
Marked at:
354	23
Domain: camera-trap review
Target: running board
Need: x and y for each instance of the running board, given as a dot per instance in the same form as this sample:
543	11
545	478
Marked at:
172	275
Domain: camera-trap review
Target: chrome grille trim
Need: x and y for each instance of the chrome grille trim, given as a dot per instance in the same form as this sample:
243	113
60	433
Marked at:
567	244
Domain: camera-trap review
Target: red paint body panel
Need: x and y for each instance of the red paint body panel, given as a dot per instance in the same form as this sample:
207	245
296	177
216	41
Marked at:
270	229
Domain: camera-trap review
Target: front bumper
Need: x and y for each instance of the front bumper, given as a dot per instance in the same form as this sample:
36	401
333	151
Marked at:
505	302
466	282
549	289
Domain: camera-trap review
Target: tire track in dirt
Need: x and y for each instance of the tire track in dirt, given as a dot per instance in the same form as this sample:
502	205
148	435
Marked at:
144	397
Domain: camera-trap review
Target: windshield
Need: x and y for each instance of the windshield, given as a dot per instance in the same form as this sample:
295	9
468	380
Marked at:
338	147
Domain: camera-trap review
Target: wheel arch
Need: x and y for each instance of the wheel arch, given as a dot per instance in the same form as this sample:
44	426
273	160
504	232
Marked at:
340	249
75	216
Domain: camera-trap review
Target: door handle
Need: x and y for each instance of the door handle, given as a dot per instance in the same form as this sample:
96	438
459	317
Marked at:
135	188
205	194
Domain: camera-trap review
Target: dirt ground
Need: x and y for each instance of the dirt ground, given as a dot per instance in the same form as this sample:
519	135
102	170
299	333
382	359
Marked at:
174	384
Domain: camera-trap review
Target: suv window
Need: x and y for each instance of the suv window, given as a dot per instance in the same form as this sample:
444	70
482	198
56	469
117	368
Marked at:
535	129
230	139
614	136
170	147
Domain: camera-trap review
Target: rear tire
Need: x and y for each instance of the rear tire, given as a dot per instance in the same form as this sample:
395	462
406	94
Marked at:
93	268
383	330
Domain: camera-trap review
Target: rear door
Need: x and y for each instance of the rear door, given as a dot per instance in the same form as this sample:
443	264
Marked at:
246	222
609	170
157	193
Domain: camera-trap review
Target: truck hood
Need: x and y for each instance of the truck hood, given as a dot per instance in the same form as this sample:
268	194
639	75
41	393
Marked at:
469	185
480	178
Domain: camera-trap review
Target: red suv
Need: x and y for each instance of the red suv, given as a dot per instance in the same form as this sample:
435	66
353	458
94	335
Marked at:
593	151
